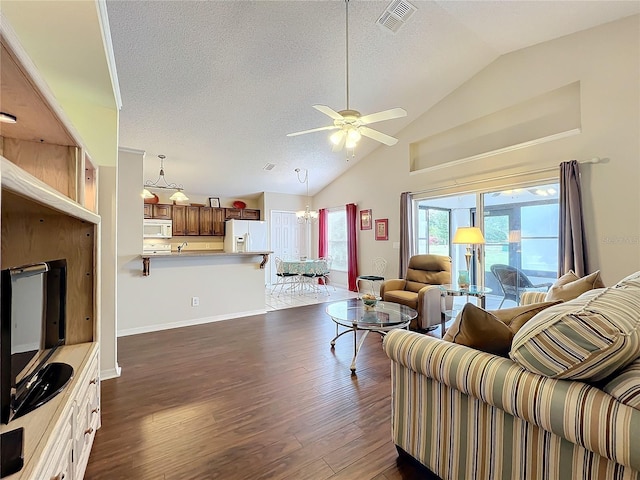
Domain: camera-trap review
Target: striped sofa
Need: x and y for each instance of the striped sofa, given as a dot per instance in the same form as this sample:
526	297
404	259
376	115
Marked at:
466	414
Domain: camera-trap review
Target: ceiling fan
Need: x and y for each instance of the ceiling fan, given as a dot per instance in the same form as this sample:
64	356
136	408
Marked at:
350	124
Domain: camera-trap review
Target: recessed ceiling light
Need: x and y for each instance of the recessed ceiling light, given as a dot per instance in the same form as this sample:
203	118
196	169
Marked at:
7	118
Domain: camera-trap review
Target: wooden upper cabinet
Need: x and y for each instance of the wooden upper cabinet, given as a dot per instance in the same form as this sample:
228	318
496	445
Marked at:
218	222
163	212
148	210
179	213
232	214
206	221
250	214
242	214
193	220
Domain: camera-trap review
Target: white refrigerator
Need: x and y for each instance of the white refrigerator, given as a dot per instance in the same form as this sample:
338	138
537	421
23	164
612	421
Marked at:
245	236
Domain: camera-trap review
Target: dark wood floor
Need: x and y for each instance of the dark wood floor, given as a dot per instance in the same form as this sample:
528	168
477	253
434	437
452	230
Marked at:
261	397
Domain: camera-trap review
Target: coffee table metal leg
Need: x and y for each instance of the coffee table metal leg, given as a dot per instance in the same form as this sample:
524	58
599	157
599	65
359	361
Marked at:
338	335
356	347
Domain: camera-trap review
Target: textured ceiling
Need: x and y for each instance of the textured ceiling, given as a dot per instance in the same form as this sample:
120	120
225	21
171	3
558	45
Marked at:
216	86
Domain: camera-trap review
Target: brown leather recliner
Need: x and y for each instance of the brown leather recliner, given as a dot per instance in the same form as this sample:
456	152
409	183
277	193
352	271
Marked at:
420	290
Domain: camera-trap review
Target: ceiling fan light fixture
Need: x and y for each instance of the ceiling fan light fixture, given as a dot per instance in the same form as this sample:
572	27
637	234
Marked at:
350	144
337	137
354	135
350	125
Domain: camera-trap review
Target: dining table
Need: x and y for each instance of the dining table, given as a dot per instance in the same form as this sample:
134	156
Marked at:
306	270
308	266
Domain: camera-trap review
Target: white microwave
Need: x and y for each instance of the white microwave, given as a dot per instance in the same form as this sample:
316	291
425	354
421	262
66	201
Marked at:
157	229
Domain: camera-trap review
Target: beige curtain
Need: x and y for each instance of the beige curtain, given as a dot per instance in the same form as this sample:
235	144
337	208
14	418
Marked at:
406	232
572	244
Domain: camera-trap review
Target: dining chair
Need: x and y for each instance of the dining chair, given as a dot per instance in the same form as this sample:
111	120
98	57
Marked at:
319	271
284	278
379	265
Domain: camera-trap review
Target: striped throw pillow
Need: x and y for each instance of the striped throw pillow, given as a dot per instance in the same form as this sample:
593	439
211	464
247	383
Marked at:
587	338
625	386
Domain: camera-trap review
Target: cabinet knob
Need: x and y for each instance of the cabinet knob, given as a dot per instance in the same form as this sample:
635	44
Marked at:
93	381
88	431
60	476
95	410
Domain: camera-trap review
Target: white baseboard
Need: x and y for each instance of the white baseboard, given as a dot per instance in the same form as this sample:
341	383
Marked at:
110	373
186	323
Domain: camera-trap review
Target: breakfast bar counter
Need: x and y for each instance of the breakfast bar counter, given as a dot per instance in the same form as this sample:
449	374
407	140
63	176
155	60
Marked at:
146	257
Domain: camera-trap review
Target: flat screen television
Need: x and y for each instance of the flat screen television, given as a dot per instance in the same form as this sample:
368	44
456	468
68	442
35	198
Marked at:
32	327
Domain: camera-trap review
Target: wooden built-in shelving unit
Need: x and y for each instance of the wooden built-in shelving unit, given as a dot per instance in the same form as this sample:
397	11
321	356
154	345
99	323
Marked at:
49	205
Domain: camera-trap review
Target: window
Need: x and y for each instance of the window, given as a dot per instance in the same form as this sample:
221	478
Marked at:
337	238
433	230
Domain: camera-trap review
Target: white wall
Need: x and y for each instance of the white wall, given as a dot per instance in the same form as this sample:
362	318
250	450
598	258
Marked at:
606	62
227	287
107	293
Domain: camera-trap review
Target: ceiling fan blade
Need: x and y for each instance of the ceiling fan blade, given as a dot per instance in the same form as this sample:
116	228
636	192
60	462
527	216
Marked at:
319	129
379	136
340	145
384	115
329	111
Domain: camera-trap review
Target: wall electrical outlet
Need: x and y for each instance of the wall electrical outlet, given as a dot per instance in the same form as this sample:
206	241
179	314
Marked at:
195	301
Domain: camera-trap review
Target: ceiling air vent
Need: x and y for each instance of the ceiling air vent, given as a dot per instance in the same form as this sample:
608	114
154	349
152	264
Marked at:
396	15
268	166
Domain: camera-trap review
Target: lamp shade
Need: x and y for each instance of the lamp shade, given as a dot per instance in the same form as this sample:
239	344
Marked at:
179	197
468	235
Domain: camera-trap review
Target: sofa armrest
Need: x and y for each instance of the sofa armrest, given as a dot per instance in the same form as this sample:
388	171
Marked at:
581	413
529	298
393	284
431	305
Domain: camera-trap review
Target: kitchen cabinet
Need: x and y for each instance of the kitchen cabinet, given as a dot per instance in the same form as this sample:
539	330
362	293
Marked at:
190	220
162	211
206	221
193	221
218	222
212	221
159	211
179	217
186	220
242	214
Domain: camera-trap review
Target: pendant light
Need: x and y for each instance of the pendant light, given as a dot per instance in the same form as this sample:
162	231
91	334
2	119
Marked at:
162	183
307	215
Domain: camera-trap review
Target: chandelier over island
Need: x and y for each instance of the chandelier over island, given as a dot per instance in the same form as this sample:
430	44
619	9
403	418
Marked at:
162	183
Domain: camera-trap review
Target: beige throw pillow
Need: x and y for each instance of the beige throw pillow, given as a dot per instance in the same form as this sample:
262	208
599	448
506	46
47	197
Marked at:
570	286
491	331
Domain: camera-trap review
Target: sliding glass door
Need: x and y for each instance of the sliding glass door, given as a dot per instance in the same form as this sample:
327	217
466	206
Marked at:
521	233
520	227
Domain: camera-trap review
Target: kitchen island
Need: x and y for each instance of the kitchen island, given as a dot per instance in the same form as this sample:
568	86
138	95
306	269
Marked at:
146	257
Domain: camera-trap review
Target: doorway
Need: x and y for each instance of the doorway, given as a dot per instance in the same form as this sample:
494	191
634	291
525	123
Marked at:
287	239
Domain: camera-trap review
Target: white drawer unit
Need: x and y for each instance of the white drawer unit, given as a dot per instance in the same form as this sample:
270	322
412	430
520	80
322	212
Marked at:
60	462
59	434
87	409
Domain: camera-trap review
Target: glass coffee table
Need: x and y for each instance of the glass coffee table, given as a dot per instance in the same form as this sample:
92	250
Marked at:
354	316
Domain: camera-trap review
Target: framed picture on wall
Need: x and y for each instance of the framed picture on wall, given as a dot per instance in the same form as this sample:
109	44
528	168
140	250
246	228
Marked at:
382	229
214	202
365	219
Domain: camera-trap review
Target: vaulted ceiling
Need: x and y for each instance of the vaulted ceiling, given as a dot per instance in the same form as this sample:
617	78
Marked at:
216	85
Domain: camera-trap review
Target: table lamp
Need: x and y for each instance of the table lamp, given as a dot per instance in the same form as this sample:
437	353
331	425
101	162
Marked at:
469	236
